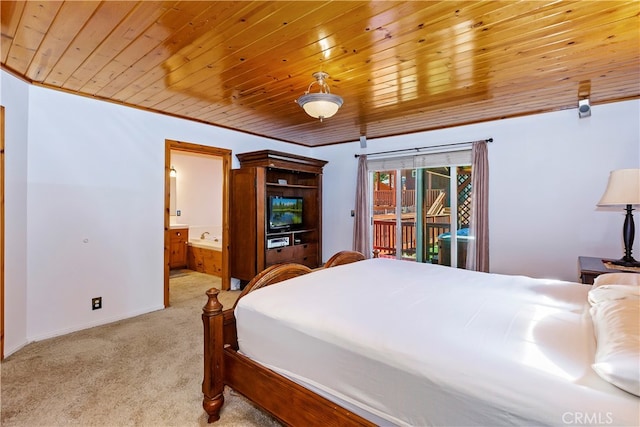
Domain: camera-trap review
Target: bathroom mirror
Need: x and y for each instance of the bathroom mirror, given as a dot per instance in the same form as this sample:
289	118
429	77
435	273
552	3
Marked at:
172	195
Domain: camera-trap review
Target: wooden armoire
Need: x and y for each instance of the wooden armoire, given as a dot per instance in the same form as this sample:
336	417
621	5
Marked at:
255	244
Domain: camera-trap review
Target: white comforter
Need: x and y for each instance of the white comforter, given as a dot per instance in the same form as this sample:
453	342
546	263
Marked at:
419	344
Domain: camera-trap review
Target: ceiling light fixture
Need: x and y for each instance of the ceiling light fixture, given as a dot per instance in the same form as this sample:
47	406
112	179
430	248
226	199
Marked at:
323	104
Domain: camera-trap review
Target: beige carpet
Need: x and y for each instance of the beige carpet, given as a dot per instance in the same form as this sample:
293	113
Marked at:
144	371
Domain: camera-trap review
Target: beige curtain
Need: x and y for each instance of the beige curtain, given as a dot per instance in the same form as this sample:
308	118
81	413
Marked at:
361	227
478	248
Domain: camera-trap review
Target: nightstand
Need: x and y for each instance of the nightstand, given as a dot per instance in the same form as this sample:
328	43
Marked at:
591	267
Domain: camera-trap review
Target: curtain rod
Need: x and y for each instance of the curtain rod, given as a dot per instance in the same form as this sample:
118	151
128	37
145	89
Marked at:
409	150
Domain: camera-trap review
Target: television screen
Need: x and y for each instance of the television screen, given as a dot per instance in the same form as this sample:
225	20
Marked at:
284	212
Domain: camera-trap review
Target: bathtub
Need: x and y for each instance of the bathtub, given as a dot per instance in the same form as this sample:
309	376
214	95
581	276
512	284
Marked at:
205	255
214	243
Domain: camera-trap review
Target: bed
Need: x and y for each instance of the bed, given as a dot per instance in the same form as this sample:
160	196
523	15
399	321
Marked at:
386	342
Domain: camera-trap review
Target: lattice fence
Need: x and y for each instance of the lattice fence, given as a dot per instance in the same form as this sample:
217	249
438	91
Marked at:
464	197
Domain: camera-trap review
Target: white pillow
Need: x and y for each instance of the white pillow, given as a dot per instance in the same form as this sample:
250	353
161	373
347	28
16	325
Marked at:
617	328
613	292
617	279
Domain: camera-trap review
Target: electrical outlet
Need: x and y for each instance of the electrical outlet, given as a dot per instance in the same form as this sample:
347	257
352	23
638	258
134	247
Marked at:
178	212
96	303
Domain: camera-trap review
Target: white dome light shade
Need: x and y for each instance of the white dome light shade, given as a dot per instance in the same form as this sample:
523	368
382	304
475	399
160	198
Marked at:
323	104
320	105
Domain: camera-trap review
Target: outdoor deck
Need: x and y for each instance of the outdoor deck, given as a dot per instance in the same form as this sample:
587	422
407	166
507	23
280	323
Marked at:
384	235
436	221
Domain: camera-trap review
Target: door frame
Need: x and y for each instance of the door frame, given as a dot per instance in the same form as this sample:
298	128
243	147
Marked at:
2	178
225	154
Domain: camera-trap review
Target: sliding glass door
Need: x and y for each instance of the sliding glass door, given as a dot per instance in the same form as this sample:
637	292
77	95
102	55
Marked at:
414	211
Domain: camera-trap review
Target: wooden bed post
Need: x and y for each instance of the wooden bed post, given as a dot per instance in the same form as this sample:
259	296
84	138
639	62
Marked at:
212	384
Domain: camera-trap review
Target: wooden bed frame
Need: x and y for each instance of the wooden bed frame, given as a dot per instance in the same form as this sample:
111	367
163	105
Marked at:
289	402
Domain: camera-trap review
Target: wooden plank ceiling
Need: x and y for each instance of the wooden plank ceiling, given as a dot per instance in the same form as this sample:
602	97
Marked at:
400	67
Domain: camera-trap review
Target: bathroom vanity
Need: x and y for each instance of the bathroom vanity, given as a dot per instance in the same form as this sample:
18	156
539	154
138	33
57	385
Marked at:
178	239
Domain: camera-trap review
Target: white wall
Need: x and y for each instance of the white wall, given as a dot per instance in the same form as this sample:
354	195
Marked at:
547	173
14	96
199	189
85	207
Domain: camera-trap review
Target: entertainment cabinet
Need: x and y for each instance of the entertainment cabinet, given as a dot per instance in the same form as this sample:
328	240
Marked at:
264	174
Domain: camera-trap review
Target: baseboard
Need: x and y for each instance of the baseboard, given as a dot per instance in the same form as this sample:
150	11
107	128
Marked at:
9	351
101	322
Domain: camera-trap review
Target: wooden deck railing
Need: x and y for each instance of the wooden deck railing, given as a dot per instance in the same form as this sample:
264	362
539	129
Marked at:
384	237
432	231
384	227
387	198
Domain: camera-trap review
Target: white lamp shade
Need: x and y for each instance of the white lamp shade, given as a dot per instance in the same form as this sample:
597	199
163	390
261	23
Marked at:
320	105
623	188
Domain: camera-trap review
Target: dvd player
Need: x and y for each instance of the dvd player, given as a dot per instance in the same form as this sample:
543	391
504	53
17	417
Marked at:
277	242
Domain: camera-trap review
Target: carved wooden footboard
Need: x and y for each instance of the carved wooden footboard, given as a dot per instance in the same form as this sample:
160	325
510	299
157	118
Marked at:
344	257
224	365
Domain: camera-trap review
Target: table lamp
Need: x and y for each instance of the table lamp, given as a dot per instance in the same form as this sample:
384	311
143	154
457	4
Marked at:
623	189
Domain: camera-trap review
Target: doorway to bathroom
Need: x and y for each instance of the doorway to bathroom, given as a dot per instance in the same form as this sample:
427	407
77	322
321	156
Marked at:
214	230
